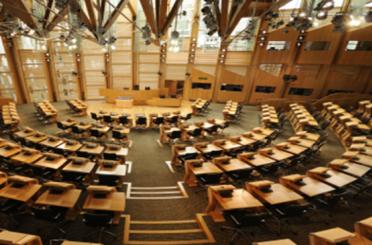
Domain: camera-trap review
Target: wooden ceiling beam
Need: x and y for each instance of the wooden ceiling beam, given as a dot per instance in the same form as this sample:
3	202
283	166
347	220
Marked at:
217	13
114	15
172	14
57	18
101	13
47	13
18	8
239	13
223	18
162	13
149	13
92	16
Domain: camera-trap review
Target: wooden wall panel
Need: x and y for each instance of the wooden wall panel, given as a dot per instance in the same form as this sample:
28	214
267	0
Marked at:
308	77
345	78
325	34
229	77
265	79
201	77
356	57
278	57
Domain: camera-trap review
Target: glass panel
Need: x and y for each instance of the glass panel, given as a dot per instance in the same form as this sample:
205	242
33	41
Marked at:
277	45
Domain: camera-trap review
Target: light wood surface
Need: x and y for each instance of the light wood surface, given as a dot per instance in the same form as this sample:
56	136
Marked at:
309	186
17	238
331	236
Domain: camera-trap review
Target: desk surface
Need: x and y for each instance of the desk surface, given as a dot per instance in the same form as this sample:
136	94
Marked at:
276	242
276	154
260	160
210	148
121	151
245	141
84	168
206	168
118	170
56	163
335	178
25	159
115	201
10	237
97	150
353	169
293	149
311	187
240	199
23	194
234	165
72	148
334	235
67	199
279	194
5	152
51	142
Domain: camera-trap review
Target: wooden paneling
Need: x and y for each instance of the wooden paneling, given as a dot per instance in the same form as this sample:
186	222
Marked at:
265	79
324	34
356	57
279	57
308	77
229	77
201	77
346	78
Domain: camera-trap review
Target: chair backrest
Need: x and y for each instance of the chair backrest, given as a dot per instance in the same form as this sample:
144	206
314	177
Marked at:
94	115
123	119
175	135
108	180
110	156
60	126
107	119
97	219
117	135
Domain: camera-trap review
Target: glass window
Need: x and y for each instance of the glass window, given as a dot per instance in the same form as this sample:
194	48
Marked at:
301	91
242	43
317	46
359	45
265	89
204	40
277	45
293	4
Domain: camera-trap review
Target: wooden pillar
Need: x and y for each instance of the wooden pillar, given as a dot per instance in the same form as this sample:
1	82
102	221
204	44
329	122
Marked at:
79	75
134	54
108	69
16	76
51	72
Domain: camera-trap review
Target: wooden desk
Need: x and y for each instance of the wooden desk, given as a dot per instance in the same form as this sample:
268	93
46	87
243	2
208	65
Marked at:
291	148
23	193
275	154
362	159
359	240
101	128
309	187
68	122
276	242
239	199
302	142
85	167
25	133
114	201
254	136
364	227
24	158
56	163
117	170
97	150
187	151
257	160
234	164
9	149
36	138
207	168
67	199
334	178
244	141
350	168
16	238
119	151
51	142
70	146
139	97
229	146
83	126
330	236
3	178
279	193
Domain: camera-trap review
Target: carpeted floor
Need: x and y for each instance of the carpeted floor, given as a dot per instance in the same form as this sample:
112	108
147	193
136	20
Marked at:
149	170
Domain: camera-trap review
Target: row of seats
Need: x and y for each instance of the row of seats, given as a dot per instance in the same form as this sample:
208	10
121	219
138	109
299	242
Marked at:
140	120
232	161
9	118
94	131
45	112
199	106
364	111
232	110
77	106
187	132
100	164
59	202
248	141
270	117
301	119
344	124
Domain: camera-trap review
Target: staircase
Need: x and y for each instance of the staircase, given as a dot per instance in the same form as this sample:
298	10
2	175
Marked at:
156	193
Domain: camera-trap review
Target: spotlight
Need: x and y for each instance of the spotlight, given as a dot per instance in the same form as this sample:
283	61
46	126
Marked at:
321	15
354	21
339	21
324	5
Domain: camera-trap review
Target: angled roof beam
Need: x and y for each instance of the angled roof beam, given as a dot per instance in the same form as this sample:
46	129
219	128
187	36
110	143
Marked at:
217	13
172	14
162	13
239	13
57	18
18	8
149	13
47	13
92	16
101	13
114	15
223	18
